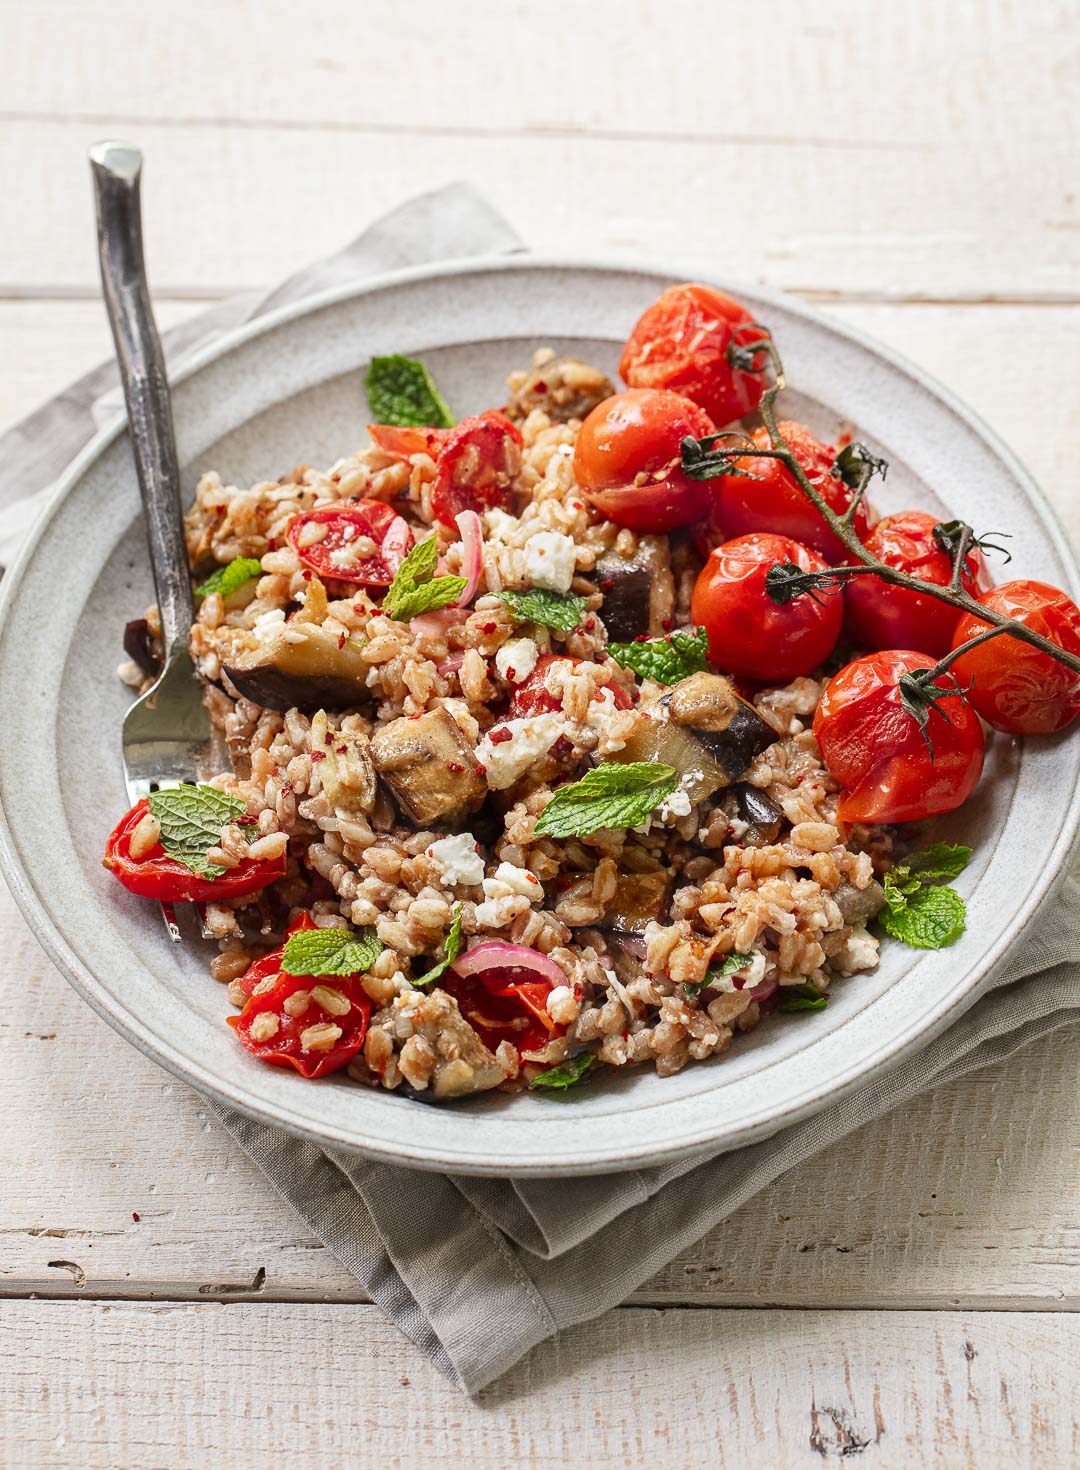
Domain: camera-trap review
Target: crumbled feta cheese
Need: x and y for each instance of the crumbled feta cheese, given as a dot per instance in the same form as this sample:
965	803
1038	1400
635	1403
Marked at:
508	879
505	760
677	805
458	857
549	560
562	1005
343	556
749	976
498	525
516	660
267	622
860	952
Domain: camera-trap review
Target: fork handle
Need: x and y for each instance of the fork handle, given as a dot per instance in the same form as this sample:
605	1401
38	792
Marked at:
116	170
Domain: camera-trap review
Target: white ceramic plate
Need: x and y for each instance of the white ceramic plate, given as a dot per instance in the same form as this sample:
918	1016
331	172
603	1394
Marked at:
290	390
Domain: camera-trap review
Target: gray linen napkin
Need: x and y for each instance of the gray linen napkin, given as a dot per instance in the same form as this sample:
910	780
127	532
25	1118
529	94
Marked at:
478	1271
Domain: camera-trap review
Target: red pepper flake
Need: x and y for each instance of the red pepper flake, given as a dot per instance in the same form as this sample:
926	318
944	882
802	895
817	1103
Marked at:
359	609
511	676
454	766
135	1216
318	755
539	387
642	638
342	749
286	790
501	735
738	981
343	638
561	748
606	584
665	623
247	820
328	738
488	627
590	624
307	574
273	543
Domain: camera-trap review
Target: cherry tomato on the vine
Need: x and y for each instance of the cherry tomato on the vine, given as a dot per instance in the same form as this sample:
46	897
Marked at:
155	875
534	697
628	463
477	463
362	542
749	634
882	616
682	342
876	750
774	501
1016	687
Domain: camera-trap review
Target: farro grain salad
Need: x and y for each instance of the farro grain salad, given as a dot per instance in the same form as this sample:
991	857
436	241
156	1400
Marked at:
580	733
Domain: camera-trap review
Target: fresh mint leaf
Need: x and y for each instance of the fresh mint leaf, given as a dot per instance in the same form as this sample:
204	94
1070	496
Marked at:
562	611
331	951
400	390
451	950
568	1074
415	588
929	918
611	795
667	660
191	819
803	998
731	964
231	578
941	861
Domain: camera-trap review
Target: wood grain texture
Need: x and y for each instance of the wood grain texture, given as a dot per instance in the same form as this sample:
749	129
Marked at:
124	1387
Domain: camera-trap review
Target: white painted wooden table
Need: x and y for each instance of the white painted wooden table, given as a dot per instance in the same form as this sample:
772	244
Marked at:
908	1298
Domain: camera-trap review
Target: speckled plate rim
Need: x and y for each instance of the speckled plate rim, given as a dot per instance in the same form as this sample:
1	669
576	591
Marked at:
684	1134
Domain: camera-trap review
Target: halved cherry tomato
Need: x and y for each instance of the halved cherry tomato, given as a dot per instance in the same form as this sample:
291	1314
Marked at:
269	966
749	634
386	534
507	1004
628	464
882	616
773	501
478	462
281	1036
155	875
1016	687
533	697
682	342
874	748
403	441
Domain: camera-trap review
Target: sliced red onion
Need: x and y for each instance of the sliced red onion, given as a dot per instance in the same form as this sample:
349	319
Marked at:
495	954
435	624
765	990
632	943
449	665
472	560
396	543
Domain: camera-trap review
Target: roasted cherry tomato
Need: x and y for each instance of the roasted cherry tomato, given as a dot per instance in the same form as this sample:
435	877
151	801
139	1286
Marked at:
628	464
507	1004
1016	687
291	1026
362	542
155	875
682	342
477	463
269	966
403	441
875	749
773	501
882	616
749	634
533	697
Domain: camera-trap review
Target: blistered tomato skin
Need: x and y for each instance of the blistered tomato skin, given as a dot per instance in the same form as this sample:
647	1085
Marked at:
874	748
751	635
681	342
627	460
533	696
765	496
340	528
476	465
882	616
1015	687
156	875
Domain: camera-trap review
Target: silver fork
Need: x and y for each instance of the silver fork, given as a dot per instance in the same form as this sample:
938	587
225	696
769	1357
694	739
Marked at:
167	730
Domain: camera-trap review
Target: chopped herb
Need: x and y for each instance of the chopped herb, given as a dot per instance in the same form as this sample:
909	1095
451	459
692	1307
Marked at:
568	1074
920	909
731	964
191	819
562	611
667	660
451	950
400	390
231	578
803	998
331	951
610	795
416	589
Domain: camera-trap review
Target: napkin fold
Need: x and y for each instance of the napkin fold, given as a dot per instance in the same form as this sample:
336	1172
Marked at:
478	1271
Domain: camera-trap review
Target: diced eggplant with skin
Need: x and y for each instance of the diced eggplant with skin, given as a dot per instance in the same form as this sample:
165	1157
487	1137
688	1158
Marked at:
463	1064
639	899
763	817
638	591
301	666
563	387
429	766
727	725
859	905
655	740
139	647
347	771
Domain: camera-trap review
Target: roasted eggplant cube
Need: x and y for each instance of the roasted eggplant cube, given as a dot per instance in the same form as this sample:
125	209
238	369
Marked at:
639	898
724	723
429	766
638	591
859	905
762	815
563	387
303	666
